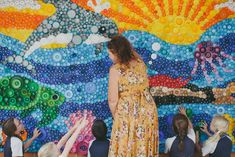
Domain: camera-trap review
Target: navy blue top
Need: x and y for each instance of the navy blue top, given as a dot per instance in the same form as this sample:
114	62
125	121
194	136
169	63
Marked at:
188	150
99	148
223	148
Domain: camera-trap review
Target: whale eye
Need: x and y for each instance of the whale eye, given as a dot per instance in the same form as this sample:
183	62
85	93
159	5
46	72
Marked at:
102	29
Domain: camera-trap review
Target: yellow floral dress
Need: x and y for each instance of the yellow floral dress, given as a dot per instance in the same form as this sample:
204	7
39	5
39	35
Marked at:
135	126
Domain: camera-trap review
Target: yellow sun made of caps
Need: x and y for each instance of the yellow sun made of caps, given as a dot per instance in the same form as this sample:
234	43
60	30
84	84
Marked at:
175	21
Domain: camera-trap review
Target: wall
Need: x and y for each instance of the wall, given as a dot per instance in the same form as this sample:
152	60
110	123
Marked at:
54	62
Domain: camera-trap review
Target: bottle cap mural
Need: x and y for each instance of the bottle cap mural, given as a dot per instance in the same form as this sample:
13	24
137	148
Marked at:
54	64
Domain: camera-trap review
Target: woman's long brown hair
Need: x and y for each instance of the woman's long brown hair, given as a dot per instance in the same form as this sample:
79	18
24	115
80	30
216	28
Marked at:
122	48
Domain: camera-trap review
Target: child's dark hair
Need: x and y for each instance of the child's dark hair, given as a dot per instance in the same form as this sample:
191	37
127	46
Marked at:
99	129
180	126
9	127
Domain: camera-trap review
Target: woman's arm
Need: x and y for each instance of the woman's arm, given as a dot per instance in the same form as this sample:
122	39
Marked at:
113	89
73	138
137	55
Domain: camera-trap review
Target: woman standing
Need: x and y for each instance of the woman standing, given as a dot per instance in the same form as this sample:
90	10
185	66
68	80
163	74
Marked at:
135	127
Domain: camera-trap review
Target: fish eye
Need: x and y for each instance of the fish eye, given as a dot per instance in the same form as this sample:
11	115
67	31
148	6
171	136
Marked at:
55	97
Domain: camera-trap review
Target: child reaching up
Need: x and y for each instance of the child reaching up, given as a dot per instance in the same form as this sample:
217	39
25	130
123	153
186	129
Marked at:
219	144
14	146
53	150
183	143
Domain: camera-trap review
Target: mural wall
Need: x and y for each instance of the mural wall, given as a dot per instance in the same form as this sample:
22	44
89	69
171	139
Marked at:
54	63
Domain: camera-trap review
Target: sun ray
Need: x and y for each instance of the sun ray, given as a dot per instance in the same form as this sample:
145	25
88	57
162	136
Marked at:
131	5
157	7
199	6
161	4
180	7
145	8
166	7
188	8
118	6
123	18
205	14
222	14
170	3
149	4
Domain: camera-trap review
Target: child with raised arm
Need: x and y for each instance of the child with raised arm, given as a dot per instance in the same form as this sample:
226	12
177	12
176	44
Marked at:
219	144
100	146
14	146
53	150
183	144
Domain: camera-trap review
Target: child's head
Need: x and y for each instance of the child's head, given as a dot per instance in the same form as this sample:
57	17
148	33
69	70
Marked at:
219	123
49	150
99	129
12	127
180	126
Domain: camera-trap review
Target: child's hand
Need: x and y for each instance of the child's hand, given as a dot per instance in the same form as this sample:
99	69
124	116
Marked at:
77	123
81	123
36	133
182	111
204	127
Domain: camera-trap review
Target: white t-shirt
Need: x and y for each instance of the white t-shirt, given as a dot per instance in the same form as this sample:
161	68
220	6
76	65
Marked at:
16	146
89	154
169	141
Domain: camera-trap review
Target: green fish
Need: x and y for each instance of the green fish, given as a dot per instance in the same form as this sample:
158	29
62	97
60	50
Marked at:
22	94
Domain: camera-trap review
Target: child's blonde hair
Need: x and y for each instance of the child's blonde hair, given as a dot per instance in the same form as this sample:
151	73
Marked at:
221	125
47	150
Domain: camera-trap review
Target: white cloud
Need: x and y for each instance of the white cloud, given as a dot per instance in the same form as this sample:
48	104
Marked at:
20	4
230	4
99	7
